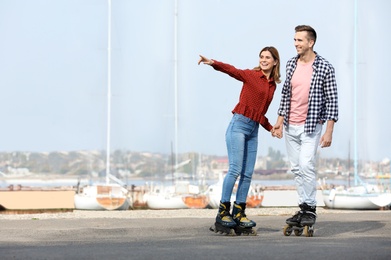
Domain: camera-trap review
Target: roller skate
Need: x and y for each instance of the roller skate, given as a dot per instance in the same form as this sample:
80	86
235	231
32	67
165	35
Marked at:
302	222
244	226
224	223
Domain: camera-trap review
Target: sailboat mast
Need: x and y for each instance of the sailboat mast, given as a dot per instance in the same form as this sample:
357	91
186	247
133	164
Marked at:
176	78
355	96
349	165
108	127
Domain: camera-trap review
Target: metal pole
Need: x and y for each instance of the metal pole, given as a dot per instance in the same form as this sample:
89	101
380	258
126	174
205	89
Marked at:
355	95
176	78
108	93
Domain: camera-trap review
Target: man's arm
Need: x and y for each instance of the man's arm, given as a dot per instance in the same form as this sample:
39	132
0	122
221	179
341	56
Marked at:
326	139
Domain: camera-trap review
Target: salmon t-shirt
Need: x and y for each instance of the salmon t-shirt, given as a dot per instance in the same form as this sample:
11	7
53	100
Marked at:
301	82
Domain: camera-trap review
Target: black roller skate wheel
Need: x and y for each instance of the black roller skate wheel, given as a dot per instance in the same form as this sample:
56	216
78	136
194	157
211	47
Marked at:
253	232
249	232
213	228
287	230
223	231
298	232
242	231
308	231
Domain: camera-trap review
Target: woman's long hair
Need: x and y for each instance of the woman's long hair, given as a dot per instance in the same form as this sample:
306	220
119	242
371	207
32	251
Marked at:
275	74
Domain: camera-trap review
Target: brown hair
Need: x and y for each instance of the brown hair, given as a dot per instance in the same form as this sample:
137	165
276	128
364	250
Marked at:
311	33
276	69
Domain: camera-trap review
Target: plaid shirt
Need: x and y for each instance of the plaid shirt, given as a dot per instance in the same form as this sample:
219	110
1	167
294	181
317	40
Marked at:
323	98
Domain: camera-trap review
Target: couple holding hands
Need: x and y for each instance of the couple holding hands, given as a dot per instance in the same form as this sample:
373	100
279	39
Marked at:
308	100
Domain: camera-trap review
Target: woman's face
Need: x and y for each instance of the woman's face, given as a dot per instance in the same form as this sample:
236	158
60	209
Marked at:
266	61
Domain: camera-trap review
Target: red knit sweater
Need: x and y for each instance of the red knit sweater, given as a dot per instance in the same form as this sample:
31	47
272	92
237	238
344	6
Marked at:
256	95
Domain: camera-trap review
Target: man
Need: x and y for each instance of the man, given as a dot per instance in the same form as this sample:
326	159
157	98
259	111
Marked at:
308	100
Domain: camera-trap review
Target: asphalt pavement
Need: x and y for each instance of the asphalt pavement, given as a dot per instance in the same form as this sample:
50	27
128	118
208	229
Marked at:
352	235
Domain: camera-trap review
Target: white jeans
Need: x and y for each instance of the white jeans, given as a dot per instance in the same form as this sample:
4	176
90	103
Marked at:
301	149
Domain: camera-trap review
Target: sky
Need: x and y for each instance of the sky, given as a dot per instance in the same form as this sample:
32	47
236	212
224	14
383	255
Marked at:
54	72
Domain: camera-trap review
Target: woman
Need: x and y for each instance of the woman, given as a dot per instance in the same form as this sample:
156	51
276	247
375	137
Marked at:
256	95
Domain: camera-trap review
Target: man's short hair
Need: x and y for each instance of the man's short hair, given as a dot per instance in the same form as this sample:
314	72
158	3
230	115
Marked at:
310	31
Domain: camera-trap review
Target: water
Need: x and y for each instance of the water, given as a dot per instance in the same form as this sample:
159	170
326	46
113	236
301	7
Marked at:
71	182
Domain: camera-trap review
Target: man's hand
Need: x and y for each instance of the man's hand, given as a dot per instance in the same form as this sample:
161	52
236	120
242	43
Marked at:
277	131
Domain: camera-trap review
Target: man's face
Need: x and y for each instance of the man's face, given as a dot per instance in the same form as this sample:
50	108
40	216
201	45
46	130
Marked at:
302	43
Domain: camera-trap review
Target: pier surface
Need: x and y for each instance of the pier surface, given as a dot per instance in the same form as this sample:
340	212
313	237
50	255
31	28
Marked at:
184	234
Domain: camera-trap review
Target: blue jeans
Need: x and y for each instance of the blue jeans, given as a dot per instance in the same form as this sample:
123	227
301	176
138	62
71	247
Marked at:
242	144
301	149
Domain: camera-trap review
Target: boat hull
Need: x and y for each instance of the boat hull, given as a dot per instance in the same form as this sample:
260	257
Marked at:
102	197
165	201
351	200
196	201
254	201
254	197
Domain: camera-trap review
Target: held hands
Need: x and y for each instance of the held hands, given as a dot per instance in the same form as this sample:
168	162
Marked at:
205	60
278	127
277	131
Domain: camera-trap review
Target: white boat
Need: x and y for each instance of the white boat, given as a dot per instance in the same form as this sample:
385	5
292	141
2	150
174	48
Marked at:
165	201
108	196
358	197
214	192
167	196
254	198
102	197
196	201
180	195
